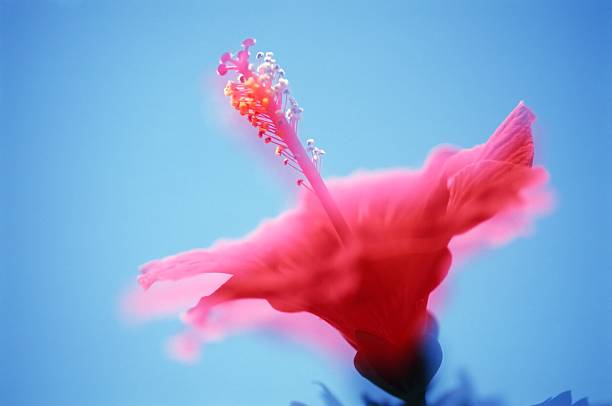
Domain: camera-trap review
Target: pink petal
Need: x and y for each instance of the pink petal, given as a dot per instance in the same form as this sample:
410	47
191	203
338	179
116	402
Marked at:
378	282
169	298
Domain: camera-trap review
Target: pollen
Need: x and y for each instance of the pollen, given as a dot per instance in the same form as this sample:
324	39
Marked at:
261	93
243	108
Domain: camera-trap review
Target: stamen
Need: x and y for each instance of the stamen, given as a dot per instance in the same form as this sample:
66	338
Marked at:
316	154
262	94
300	182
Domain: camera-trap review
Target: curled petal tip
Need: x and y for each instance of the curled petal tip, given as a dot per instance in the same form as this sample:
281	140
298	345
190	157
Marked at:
526	111
147	276
145	281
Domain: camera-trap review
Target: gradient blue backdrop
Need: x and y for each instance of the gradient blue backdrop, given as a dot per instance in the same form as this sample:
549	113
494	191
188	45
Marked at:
113	153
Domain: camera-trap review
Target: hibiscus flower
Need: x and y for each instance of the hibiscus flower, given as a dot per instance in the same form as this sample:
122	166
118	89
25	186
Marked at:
362	253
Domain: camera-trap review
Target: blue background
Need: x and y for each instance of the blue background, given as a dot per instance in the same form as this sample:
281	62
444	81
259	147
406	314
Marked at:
114	152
